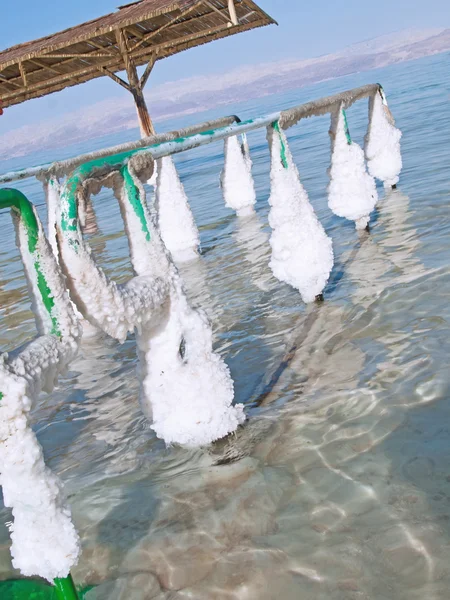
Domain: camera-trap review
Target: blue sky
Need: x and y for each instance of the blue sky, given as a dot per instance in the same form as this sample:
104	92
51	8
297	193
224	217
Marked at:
306	29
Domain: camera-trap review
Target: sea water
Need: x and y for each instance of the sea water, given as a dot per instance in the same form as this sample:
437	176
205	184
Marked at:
338	487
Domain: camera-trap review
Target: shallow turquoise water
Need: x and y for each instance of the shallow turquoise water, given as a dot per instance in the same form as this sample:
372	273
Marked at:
339	485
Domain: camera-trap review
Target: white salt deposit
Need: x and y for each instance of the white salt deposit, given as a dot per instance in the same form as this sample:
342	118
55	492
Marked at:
152	180
186	390
236	179
186	387
175	220
44	540
382	144
302	253
52	190
352	191
116	309
62	311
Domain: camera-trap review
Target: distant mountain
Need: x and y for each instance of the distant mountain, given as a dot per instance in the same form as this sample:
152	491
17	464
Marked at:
391	41
201	93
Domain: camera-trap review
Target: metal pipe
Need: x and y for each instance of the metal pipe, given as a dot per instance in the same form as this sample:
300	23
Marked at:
199	135
64	167
20	204
326	104
65	588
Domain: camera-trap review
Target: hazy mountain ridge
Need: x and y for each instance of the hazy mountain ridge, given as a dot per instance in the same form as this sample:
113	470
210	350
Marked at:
200	93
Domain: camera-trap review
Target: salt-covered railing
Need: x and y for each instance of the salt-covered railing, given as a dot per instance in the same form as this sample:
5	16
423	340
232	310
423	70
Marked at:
186	388
198	135
44	540
64	167
302	252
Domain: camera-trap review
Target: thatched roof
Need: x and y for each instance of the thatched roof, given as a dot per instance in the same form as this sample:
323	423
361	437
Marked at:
152	30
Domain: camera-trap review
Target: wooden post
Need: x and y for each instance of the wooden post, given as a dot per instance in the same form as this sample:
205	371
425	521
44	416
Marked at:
145	122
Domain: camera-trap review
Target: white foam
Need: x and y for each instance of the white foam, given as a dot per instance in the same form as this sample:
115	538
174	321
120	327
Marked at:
382	143
236	179
302	253
352	191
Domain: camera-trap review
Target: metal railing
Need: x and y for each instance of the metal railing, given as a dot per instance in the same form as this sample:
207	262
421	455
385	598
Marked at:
101	163
198	135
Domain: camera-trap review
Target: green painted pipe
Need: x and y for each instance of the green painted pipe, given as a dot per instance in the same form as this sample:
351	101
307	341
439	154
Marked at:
283	157
10	198
65	589
135	200
346	128
33	589
19	203
69	207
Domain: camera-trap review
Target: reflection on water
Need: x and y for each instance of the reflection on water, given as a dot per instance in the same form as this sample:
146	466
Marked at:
338	485
253	240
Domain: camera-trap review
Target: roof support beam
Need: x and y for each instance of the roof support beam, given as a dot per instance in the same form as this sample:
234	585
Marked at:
215	9
194	36
149	36
9	82
56	80
134	29
23	74
111	47
145	122
232	11
146	73
39	63
249	14
115	78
